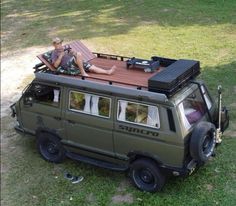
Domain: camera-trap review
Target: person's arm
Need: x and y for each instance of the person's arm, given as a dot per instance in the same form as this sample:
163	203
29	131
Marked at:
73	52
58	61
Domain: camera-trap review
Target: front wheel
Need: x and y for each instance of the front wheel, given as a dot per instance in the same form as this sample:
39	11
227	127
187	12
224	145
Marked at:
146	175
50	147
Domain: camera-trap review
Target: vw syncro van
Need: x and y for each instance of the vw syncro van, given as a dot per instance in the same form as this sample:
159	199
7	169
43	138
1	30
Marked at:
149	122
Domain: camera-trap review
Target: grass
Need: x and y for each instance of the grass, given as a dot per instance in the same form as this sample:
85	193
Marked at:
202	30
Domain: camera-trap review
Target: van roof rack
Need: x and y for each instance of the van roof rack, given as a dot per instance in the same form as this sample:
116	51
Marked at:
168	76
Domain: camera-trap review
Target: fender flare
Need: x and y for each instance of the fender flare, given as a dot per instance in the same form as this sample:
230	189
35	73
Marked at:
134	155
46	130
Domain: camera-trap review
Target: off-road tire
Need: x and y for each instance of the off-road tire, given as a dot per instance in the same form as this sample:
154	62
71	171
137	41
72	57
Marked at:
50	147
202	142
146	175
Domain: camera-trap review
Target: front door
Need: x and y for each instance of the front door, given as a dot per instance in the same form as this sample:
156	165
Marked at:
41	108
89	122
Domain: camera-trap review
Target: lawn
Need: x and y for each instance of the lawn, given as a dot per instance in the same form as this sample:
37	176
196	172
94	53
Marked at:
204	30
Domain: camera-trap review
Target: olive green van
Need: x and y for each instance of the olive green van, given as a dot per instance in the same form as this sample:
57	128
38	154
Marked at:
152	124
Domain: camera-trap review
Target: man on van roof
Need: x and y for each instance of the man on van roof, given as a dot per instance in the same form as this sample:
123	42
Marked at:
74	59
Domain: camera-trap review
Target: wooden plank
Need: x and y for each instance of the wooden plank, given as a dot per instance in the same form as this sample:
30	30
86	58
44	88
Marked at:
80	47
49	65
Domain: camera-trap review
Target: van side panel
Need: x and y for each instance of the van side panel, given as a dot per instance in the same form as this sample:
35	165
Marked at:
87	131
130	137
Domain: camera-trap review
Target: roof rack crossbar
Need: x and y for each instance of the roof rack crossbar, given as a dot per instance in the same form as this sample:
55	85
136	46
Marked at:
111	56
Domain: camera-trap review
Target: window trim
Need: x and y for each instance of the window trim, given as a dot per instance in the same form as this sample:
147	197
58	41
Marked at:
206	96
80	111
135	123
171	120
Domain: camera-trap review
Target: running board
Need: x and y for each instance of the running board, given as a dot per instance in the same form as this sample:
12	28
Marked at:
96	162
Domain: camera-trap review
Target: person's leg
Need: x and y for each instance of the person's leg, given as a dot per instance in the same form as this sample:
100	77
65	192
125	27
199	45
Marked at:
79	62
95	69
99	70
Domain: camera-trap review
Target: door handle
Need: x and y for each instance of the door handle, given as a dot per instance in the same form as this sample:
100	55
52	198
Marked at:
57	118
71	121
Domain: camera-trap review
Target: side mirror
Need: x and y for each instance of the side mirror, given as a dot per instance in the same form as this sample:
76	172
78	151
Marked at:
28	101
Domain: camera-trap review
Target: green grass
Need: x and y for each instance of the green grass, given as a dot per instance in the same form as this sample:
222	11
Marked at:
202	30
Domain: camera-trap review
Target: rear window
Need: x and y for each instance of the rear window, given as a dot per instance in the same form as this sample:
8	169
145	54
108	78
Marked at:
192	108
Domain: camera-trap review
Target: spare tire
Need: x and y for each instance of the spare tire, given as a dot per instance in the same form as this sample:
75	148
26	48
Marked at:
202	142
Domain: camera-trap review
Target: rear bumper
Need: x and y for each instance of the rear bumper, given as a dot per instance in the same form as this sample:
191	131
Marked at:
224	119
188	169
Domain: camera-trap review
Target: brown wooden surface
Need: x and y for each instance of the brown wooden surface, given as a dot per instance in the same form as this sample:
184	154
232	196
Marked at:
127	77
50	66
77	46
80	47
122	76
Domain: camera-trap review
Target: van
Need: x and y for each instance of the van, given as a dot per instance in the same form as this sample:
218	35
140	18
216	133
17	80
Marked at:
151	121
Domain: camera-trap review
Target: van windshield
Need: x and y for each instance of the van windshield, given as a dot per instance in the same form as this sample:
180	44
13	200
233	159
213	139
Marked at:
192	109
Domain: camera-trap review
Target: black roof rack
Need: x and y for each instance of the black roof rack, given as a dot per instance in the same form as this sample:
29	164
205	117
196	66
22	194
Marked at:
176	75
99	86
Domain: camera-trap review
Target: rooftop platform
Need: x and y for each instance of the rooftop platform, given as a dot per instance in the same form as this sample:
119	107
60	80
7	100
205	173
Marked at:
166	78
122	76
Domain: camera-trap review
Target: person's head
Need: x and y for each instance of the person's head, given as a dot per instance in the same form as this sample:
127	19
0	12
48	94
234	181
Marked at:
57	43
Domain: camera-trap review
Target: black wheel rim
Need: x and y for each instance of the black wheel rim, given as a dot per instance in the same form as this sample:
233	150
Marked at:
208	144
146	176
52	148
49	149
144	179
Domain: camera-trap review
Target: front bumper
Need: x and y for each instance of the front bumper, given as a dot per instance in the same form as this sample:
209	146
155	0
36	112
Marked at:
13	110
19	129
13	114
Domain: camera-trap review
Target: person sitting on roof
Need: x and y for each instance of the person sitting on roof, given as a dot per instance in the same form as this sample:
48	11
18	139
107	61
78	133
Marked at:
74	59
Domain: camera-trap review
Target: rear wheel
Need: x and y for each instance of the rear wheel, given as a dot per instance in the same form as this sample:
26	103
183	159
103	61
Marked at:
50	147
146	175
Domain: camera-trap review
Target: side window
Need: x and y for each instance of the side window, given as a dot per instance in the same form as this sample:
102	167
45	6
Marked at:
90	103
44	94
138	113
